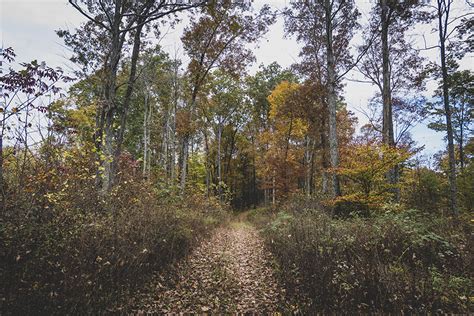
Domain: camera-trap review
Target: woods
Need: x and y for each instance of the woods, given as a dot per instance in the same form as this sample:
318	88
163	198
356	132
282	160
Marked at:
121	171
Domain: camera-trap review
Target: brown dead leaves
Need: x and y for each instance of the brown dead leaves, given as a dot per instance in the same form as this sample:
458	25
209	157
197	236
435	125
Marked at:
232	272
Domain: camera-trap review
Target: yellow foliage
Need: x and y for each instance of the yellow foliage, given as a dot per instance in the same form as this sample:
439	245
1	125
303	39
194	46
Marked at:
364	167
281	164
279	97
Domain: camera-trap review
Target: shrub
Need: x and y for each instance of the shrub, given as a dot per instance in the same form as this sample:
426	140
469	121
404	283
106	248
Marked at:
395	262
424	189
65	250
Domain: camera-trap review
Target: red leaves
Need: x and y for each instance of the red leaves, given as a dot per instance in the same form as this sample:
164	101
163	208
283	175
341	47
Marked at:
8	54
35	78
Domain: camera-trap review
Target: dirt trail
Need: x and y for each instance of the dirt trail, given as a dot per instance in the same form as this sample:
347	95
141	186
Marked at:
231	272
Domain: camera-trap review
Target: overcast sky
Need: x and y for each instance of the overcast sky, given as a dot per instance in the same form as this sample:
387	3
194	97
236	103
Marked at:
28	26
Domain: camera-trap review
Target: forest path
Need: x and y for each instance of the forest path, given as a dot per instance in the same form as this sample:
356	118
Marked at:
231	272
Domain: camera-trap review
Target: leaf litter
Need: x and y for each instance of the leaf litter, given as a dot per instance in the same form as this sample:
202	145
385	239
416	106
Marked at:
232	272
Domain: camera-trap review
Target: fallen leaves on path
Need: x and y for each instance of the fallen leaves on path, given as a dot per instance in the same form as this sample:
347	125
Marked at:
231	272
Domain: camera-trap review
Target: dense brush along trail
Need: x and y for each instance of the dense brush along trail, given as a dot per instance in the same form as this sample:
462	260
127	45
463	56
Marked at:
231	272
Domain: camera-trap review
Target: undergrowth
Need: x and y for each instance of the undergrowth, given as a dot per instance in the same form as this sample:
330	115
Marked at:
392	262
64	250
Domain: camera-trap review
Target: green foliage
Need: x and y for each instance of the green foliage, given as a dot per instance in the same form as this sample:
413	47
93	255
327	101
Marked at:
461	95
466	178
153	93
466	187
261	85
397	262
197	172
424	189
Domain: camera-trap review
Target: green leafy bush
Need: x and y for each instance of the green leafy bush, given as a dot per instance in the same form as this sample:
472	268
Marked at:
395	262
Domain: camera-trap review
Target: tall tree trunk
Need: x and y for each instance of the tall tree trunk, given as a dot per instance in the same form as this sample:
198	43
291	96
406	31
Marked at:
173	127
443	13
108	154
98	142
273	188
286	179
312	167
186	141
2	182
184	162
332	100
461	136
165	143
145	138
307	164
128	97
387	128
324	157
173	149
228	168
109	110
387	124
208	167
461	149
218	162
254	174
150	118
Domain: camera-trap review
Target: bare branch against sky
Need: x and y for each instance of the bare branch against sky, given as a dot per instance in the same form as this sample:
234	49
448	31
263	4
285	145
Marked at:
29	25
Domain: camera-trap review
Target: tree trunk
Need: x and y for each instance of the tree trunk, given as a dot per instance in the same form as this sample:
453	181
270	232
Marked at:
186	141
273	189
312	167
149	120
218	161
461	150
111	67
98	142
444	12
461	138
387	128
254	175
184	163
165	143
173	127
286	184
324	157
2	182
108	154
228	167
208	167
308	164
145	138
387	124
128	97
332	100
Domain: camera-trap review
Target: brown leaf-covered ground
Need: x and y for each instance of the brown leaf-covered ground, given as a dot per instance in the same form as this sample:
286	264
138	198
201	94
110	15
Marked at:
231	272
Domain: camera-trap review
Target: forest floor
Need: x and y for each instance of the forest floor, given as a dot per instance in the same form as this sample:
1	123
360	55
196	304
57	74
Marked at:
232	272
